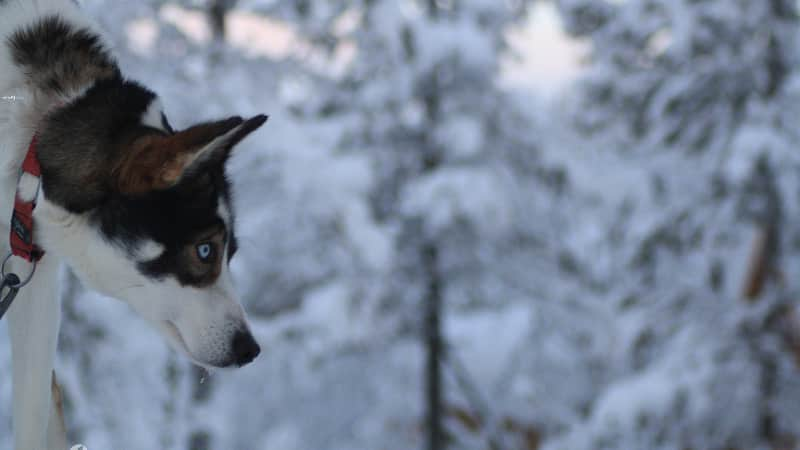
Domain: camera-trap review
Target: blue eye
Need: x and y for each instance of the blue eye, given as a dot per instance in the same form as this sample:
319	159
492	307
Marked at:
205	251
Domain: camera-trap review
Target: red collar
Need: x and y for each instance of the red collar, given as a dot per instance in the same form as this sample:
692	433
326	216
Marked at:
21	237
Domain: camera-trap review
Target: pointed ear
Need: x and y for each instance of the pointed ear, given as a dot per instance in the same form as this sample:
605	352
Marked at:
213	142
154	162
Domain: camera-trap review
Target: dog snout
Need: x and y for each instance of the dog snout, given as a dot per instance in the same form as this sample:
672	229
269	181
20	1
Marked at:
245	348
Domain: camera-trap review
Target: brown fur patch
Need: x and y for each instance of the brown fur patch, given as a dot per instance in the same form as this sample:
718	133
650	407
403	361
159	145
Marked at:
58	401
152	162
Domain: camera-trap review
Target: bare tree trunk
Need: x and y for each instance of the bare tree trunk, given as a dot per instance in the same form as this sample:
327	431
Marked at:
433	343
217	10
429	253
430	260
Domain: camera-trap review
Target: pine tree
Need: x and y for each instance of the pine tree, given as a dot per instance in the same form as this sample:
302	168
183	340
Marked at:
690	101
444	139
681	73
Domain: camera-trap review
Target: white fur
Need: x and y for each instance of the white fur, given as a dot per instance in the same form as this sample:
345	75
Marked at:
148	250
152	116
28	187
218	144
33	322
223	212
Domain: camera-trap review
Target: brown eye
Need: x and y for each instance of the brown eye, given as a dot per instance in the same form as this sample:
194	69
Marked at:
205	252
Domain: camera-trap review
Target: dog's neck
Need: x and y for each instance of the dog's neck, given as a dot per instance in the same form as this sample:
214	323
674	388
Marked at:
28	110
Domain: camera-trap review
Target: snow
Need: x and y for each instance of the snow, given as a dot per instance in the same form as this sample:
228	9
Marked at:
452	195
487	350
463	41
462	135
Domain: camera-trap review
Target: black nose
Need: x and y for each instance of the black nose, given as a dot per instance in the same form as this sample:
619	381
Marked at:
245	348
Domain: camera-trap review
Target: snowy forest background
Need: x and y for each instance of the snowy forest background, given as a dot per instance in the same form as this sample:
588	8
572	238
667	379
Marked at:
616	261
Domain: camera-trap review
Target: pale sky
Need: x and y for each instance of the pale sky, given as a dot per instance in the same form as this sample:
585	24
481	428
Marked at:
547	57
544	57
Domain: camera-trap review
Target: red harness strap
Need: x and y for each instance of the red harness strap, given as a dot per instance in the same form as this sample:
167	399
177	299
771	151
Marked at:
21	237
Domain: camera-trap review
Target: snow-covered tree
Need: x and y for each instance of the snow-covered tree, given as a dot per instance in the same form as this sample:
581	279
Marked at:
681	73
684	118
458	178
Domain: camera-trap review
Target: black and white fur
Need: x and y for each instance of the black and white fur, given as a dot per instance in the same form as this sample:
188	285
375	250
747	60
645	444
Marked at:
138	211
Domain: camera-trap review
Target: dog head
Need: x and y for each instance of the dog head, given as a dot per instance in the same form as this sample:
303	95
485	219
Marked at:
143	213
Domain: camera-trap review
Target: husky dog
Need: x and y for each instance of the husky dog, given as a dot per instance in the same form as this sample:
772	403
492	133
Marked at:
137	210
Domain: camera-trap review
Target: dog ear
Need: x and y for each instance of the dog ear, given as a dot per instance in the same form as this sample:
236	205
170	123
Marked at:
154	162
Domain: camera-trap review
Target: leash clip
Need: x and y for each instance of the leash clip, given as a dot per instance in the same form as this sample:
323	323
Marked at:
9	281
18	284
13	283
